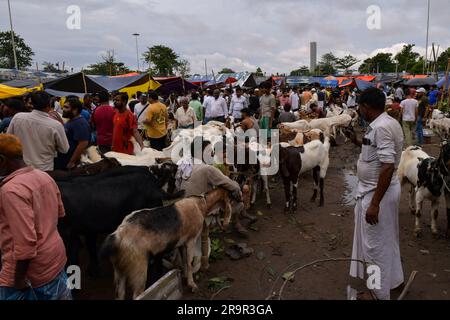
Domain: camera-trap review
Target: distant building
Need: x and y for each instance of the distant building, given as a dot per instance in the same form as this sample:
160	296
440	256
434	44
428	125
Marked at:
313	57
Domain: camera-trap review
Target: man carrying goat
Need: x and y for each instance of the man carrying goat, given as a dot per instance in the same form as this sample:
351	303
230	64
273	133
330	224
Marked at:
376	238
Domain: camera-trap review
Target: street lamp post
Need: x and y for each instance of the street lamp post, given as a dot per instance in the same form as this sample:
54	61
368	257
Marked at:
137	50
426	46
12	37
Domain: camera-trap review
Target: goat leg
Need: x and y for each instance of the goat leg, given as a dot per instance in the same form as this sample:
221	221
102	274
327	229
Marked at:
322	199
205	247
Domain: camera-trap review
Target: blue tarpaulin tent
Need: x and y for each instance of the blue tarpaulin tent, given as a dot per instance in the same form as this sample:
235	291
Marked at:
441	83
329	83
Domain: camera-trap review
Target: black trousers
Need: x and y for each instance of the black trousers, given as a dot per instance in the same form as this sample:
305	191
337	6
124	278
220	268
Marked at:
158	143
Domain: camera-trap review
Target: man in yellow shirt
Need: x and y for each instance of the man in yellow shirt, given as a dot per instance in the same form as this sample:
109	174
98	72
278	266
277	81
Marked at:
156	122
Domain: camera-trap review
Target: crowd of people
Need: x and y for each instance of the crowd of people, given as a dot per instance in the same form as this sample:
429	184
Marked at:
41	133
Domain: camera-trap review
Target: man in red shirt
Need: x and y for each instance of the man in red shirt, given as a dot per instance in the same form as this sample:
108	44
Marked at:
33	253
102	121
125	126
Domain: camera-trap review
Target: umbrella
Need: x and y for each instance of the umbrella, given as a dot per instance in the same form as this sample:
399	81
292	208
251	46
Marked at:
418	82
441	83
231	80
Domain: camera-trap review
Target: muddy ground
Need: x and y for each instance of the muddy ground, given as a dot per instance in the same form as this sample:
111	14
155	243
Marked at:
283	242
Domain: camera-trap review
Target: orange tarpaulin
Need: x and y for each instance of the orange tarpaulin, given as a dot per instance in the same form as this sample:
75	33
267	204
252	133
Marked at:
418	76
132	74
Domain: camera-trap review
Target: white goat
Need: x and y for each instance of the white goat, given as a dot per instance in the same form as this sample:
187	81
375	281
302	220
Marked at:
419	170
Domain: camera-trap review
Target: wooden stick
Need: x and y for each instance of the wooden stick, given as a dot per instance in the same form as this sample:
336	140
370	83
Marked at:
84	82
408	285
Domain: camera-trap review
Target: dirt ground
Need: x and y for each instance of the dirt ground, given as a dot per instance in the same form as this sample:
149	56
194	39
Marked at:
283	242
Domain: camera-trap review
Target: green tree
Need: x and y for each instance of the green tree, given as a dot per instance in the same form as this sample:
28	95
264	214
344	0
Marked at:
23	52
183	67
259	72
108	67
382	61
407	58
442	61
162	60
417	68
302	71
49	67
346	62
327	64
226	70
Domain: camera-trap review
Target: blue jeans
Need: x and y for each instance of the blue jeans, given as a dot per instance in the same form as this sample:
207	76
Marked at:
55	290
419	131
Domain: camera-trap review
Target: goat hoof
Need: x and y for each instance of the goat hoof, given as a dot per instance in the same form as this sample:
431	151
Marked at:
321	205
194	288
413	212
287	210
435	233
418	233
269	206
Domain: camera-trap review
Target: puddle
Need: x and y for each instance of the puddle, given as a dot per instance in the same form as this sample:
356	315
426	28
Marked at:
350	183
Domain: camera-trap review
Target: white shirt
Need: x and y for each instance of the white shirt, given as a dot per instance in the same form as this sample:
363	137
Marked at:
384	144
409	107
237	104
185	118
205	105
399	93
140	116
41	138
351	101
294	100
216	108
58	108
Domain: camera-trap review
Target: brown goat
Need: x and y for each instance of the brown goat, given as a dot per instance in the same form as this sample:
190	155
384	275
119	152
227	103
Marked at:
153	232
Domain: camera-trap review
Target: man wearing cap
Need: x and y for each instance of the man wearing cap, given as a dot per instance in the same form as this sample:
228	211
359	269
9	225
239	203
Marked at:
33	253
41	136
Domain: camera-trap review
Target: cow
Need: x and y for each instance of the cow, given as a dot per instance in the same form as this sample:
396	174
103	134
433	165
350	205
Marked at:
89	169
97	204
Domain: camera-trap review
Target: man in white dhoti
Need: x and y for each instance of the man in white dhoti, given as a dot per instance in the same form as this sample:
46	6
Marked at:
376	237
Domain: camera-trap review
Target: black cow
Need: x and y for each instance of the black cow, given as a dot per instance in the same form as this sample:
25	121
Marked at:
97	204
444	168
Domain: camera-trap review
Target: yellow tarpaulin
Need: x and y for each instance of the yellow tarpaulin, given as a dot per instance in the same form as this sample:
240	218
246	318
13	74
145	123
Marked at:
8	92
150	85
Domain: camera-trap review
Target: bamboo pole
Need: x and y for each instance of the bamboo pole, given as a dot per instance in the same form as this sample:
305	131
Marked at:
84	82
446	81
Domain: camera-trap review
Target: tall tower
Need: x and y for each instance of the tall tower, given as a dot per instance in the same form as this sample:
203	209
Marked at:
313	57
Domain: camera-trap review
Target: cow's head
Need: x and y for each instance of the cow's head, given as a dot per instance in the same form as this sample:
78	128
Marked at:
444	158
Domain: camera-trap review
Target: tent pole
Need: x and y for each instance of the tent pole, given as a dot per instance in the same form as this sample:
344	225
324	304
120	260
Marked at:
446	81
84	82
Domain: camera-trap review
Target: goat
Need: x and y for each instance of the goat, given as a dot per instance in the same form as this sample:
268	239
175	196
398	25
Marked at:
152	232
422	173
296	160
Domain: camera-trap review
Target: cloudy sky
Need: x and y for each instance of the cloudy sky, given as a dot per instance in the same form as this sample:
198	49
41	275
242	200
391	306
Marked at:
240	34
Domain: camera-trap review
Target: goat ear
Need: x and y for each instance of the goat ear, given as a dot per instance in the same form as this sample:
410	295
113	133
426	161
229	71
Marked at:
420	160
